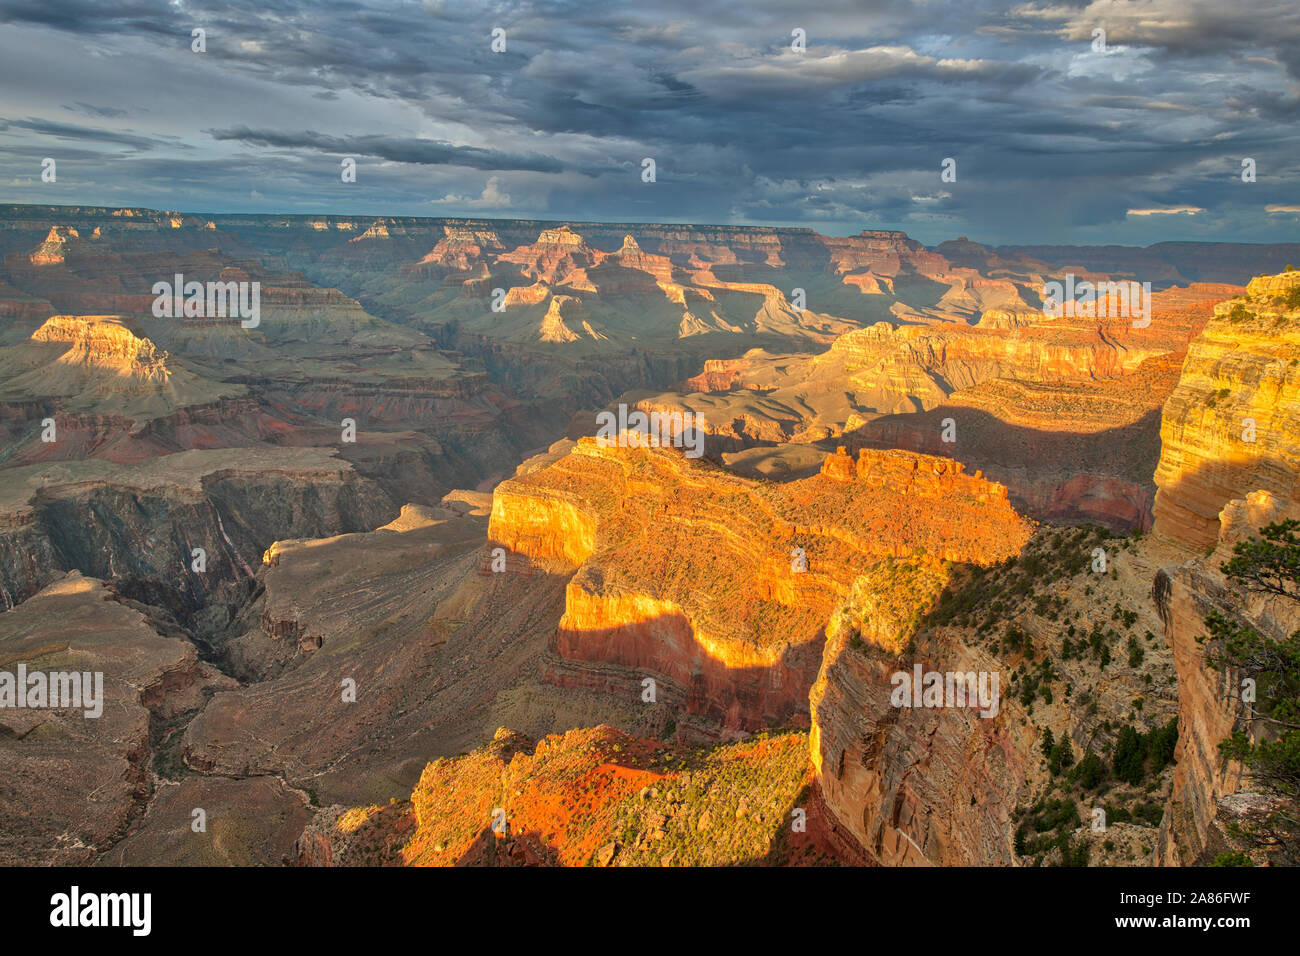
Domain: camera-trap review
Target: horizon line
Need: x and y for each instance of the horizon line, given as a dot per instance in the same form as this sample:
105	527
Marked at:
622	222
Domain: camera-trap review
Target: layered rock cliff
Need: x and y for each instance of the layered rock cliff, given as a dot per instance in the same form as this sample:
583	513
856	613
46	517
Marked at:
913	785
139	524
1232	425
719	587
941	684
1064	412
1230	464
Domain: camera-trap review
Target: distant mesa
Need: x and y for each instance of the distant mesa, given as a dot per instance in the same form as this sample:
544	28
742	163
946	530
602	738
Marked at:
54	249
104	342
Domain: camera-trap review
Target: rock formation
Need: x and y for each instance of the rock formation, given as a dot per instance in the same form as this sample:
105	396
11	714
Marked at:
586	798
913	786
1233	423
1218	488
719	587
74	784
253	533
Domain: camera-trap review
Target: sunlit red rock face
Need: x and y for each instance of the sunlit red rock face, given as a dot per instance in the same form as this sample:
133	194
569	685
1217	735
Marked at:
1067	451
688	574
1217	488
1233	423
105	344
593	797
1063	412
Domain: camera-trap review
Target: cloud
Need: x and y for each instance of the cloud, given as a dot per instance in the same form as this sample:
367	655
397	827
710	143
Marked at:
1054	142
77	133
105	112
428	152
492	197
1172	211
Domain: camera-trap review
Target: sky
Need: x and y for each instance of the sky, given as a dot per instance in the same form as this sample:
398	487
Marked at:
1058	135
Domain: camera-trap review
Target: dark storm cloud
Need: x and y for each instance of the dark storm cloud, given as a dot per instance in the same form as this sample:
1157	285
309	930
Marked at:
421	151
1054	142
77	133
89	109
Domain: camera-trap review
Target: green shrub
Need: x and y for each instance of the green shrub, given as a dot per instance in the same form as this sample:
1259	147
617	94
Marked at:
1089	772
1061	757
1129	761
1232	858
1162	744
1150	813
1135	652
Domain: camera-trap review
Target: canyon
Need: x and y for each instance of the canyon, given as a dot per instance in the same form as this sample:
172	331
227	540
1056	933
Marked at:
1229	465
366	588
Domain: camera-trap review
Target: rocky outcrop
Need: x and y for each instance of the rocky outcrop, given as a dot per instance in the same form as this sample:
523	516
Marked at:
565	321
928	725
53	250
719	587
589	797
912	785
554	258
101	342
1232	425
1230	464
140	524
1003	318
1196	827
462	249
882	252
